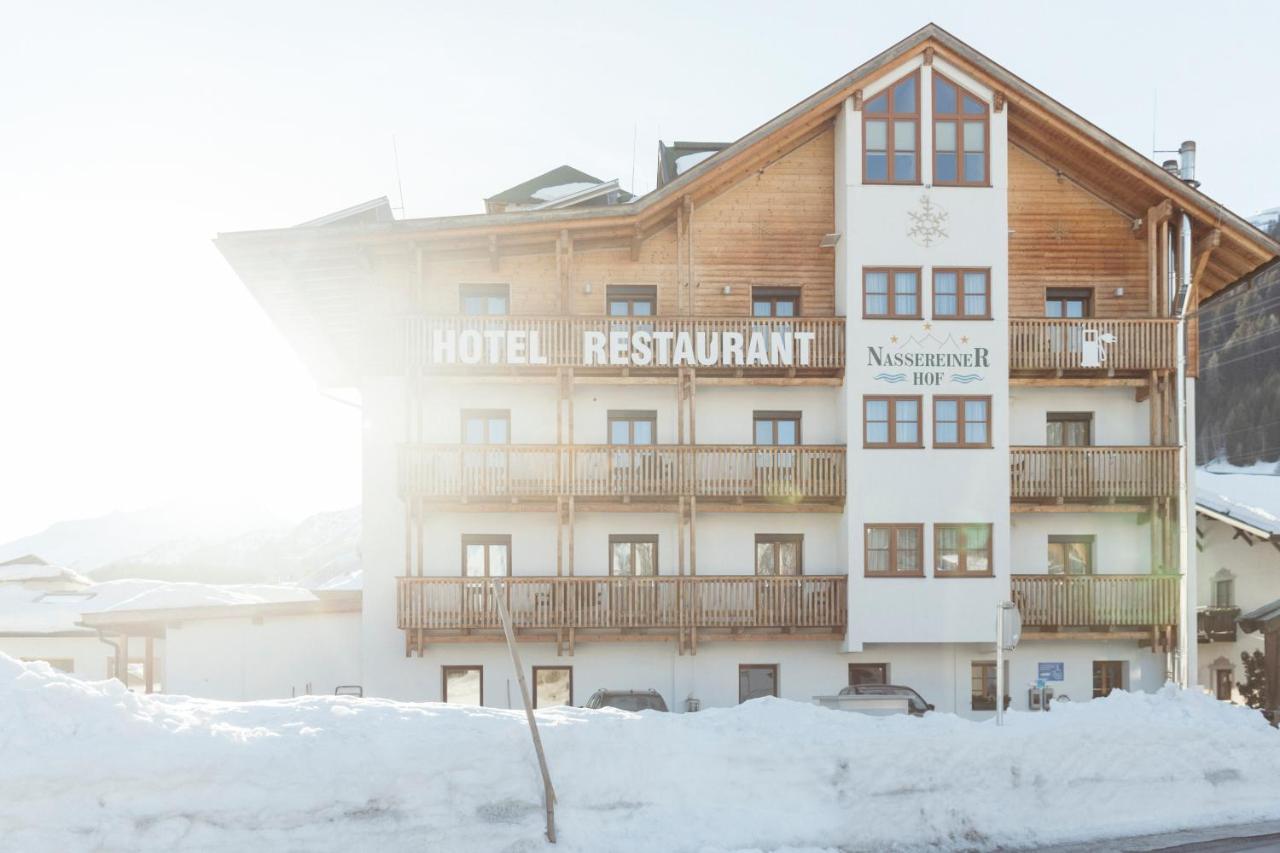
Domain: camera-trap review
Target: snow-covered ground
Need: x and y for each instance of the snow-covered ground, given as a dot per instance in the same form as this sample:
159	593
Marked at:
90	766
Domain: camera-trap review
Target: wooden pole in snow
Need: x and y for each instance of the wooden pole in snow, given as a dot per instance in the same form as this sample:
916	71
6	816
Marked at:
548	792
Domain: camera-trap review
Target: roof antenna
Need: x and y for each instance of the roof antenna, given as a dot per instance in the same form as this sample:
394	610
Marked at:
395	152
1155	106
635	133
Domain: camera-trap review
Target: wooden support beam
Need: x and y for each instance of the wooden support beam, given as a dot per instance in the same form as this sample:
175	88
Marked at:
149	664
494	257
572	510
693	536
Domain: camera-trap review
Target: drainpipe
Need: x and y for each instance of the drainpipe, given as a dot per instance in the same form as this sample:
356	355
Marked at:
121	659
1186	668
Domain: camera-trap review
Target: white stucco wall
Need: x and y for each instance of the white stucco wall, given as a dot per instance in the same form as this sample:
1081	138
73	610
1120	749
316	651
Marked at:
88	655
1117	418
1122	543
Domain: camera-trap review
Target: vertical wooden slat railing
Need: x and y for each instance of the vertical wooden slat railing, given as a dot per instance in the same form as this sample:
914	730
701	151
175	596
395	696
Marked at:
1096	601
479	471
1093	472
561	338
1061	344
663	602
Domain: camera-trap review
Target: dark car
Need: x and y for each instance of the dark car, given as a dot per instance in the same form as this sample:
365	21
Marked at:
916	706
627	700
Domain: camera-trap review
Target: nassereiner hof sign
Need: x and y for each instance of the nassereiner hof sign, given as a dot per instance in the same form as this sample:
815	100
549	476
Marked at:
933	360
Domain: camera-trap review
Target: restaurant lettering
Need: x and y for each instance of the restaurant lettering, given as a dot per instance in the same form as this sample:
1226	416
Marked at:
623	348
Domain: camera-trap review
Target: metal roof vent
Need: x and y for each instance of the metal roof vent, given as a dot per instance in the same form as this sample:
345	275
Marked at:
1187	168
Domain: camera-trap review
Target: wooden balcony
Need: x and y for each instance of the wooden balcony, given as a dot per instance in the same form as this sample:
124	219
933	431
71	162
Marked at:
1093	474
568	609
1104	603
806	473
1216	624
1092	346
561	343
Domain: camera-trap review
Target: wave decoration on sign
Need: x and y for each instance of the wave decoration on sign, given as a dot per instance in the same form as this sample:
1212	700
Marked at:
893	378
966	378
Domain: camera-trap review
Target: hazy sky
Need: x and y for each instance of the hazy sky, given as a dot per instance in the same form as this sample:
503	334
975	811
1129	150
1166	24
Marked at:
134	366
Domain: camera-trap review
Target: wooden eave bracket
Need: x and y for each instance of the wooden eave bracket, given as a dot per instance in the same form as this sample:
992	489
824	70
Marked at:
928	55
857	99
999	101
1203	250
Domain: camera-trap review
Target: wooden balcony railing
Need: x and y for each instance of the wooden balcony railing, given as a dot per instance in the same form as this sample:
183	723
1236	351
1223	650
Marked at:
804	472
1092	344
1217	624
1096	601
1050	473
561	340
436	604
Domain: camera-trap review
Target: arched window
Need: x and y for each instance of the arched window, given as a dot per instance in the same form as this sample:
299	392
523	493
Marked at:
891	134
961	136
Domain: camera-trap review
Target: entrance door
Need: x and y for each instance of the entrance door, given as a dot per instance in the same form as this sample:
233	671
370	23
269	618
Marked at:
1222	684
1108	675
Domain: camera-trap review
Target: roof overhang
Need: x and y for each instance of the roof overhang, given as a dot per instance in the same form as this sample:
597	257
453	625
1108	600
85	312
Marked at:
152	622
1264	535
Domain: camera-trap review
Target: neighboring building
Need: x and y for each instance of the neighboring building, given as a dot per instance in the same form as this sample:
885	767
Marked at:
802	416
562	187
1239	566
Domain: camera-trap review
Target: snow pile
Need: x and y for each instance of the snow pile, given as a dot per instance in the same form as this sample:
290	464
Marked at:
91	766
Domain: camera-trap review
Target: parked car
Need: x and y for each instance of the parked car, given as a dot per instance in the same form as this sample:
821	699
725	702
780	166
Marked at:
916	706
627	700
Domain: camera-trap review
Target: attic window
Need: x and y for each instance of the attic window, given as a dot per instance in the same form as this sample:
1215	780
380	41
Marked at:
960	136
891	134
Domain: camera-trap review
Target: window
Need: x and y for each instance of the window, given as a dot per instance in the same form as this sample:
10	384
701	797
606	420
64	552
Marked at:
982	679
775	302
961	421
486	426
889	293
486	555
756	680
1223	684
779	554
893	550
1108	675
632	555
632	300
485	300
632	427
1069	429
891	422
1224	592
962	550
1068	302
1070	555
961	294
891	134
960	131
868	673
780	429
552	685
463	685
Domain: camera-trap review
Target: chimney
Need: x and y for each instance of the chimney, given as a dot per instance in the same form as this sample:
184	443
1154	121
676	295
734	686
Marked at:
1187	158
1171	166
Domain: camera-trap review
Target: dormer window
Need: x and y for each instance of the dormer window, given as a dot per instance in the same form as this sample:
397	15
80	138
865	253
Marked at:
960	136
891	134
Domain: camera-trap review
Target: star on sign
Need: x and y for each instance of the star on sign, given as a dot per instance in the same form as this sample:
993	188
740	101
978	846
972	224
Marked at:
893	339
965	339
928	326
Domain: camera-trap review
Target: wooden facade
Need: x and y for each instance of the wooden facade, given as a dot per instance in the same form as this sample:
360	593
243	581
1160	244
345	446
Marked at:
1093	473
1101	602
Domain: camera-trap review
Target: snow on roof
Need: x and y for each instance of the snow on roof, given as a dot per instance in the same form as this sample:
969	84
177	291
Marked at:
17	571
27	611
688	161
1244	496
561	190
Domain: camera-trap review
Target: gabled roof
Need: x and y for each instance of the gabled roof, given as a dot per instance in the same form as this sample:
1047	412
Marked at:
679	157
25	560
366	213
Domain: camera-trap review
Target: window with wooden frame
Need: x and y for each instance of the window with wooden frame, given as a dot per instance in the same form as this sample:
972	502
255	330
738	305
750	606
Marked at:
486	426
961	294
868	673
486	555
775	302
893	550
962	421
891	422
961	136
1069	429
485	300
982	689
779	554
1224	592
633	555
1108	675
631	300
462	685
891	134
776	429
1070	555
891	293
962	550
552	686
1068	303
632	426
1223	684
756	680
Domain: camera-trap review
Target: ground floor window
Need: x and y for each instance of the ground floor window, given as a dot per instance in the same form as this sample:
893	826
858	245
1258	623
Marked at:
982	690
463	685
552	685
868	673
1108	675
1223	684
756	680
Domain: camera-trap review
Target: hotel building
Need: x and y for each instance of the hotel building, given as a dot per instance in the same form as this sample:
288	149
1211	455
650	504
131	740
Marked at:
801	417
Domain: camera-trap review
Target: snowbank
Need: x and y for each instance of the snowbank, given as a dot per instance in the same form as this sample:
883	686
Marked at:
91	766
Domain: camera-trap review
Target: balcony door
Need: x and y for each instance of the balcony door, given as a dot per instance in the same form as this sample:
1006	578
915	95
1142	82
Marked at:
485	300
1071	555
633	463
776	433
633	598
774	303
486	454
1068	303
1069	429
484	556
632	301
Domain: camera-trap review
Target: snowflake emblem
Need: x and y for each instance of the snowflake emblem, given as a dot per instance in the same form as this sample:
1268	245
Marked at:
928	224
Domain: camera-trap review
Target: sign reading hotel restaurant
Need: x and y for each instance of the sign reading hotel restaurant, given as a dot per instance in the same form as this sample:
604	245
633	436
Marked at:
622	348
